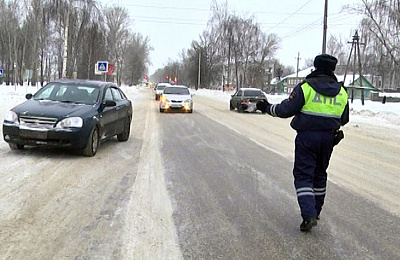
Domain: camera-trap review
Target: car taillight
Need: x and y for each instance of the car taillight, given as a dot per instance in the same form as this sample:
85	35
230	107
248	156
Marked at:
245	101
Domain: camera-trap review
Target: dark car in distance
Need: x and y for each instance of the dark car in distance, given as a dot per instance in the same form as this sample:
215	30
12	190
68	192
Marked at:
76	114
158	90
245	99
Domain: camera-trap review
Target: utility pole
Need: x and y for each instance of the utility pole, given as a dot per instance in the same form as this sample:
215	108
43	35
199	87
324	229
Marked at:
297	67
223	77
198	78
355	45
325	27
269	79
15	76
229	63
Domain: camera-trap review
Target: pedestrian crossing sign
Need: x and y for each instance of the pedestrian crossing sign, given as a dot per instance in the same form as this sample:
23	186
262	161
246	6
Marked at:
101	67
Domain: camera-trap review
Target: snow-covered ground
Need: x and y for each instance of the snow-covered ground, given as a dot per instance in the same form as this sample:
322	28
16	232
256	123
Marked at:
11	96
373	113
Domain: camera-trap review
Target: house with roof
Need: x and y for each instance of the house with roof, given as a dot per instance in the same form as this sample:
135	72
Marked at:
287	83
355	85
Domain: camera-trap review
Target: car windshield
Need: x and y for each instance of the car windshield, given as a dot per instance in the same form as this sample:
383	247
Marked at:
68	93
161	87
253	93
177	91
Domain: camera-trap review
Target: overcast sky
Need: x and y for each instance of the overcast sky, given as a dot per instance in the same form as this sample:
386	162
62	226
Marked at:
172	25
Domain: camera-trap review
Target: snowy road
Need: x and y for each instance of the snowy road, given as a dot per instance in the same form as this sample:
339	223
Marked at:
59	205
214	184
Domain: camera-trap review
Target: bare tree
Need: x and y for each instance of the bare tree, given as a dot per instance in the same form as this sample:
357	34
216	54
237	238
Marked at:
9	27
233	40
117	21
382	23
136	58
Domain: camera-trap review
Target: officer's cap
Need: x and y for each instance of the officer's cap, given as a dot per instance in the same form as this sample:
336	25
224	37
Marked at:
325	62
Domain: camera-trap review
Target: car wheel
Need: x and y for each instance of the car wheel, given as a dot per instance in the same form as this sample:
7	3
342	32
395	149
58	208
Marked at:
240	109
92	144
124	136
16	146
231	107
161	110
191	111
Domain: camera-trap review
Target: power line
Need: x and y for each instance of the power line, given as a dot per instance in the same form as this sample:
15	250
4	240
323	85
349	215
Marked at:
169	7
164	20
284	13
169	22
287	18
208	10
189	21
169	18
337	17
202	21
307	27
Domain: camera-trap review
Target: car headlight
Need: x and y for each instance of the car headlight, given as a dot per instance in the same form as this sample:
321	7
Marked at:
11	117
70	122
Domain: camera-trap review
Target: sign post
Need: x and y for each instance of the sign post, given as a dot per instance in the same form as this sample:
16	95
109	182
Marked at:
101	68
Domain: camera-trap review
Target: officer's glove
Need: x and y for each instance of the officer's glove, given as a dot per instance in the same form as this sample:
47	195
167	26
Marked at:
263	106
338	136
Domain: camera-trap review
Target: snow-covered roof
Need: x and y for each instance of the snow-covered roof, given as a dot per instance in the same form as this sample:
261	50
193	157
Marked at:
348	80
303	73
389	94
300	74
275	80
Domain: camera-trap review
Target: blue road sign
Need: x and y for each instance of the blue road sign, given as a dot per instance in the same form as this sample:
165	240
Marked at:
1	72
102	66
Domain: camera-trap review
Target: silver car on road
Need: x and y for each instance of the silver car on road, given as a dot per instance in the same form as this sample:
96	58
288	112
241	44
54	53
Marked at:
176	97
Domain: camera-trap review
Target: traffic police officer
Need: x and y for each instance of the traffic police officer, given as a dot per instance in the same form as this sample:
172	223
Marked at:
320	106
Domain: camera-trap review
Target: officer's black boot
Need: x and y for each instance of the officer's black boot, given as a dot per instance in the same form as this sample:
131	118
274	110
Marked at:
307	224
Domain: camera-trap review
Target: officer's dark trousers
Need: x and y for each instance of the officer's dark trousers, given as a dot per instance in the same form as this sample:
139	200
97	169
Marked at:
312	154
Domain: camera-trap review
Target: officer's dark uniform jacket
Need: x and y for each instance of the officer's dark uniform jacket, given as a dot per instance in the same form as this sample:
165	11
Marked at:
323	88
320	106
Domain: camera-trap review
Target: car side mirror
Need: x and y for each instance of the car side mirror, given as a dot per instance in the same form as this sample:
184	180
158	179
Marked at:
28	96
109	103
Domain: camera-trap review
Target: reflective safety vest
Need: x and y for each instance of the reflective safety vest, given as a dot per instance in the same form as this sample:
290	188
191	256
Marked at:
320	105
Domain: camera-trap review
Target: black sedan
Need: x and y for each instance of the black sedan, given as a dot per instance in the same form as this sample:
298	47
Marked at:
77	114
245	99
